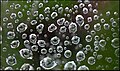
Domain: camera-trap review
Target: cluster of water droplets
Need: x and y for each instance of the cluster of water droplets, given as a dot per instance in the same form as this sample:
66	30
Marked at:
52	37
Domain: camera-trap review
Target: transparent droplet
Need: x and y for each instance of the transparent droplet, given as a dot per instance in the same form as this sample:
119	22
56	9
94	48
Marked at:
41	43
11	60
88	47
115	34
66	42
75	6
116	68
43	51
34	47
10	35
86	26
96	48
79	20
15	44
99	57
35	13
60	21
95	17
94	54
95	11
47	18
102	43
81	5
47	63
67	9
59	49
70	65
52	28
91	60
88	38
5	19
40	5
97	27
17	6
1	39
54	15
33	38
41	16
47	10
96	37
22	27
13	16
55	40
83	67
108	13
38	68
72	28
80	56
24	36
9	25
26	66
114	24
27	43
116	52
8	68
115	42
20	14
89	19
60	10
108	59
106	26
67	54
75	40
26	53
63	29
102	20
93	32
33	22
85	10
39	28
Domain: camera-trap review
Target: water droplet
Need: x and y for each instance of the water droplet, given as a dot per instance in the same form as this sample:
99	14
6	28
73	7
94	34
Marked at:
102	43
88	38
80	56
59	49
97	27
115	42
91	60
26	53
70	65
67	54
83	67
75	40
47	63
52	28
54	15
22	27
26	66
79	20
33	38
15	44
34	47
43	51
72	27
41	43
11	60
55	40
10	35
8	68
